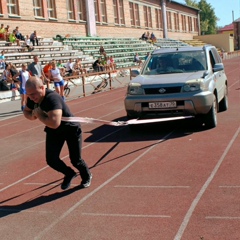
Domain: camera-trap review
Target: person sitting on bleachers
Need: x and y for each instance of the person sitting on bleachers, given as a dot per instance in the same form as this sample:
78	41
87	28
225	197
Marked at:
137	59
19	35
6	33
144	37
2	32
153	38
102	51
34	38
61	67
69	67
78	67
97	65
13	39
2	60
28	44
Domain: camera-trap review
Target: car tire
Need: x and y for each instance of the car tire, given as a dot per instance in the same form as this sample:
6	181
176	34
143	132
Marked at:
223	105
211	117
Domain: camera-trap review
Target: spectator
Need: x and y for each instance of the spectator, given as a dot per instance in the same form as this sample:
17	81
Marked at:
13	39
101	50
97	65
23	75
46	69
78	67
112	62
34	38
137	59
153	38
61	67
7	76
35	69
69	67
144	37
15	81
2	32
55	75
28	44
146	57
18	34
7	33
2	60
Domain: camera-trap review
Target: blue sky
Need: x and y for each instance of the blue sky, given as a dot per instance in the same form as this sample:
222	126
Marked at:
224	10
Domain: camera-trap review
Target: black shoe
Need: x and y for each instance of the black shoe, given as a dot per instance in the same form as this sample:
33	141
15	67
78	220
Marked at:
86	183
67	181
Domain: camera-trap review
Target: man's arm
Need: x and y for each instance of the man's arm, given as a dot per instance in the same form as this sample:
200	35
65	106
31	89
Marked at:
28	113
52	119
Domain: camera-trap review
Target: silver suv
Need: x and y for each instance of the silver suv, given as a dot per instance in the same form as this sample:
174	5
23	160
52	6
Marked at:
187	81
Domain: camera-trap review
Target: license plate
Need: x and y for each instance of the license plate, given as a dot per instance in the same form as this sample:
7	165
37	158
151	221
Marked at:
162	105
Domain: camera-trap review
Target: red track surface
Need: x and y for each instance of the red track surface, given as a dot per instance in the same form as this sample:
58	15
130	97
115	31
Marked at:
167	181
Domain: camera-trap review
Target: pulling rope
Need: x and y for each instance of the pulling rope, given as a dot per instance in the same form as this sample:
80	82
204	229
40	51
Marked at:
121	123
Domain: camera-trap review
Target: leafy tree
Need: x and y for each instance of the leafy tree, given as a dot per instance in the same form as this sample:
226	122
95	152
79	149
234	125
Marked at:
208	18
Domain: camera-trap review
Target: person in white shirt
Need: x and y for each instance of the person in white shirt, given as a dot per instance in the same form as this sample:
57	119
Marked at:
70	67
55	76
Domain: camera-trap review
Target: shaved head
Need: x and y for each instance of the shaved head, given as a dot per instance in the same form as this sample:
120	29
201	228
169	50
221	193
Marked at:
35	89
34	82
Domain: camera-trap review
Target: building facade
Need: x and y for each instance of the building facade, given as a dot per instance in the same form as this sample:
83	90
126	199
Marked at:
104	18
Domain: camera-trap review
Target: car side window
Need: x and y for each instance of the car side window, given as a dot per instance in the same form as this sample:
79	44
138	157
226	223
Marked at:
212	60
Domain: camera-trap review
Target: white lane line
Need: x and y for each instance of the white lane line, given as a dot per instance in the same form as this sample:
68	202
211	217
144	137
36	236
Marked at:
126	215
139	186
32	174
98	188
22	179
203	189
223	217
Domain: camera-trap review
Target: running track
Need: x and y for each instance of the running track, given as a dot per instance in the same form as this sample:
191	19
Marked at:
168	181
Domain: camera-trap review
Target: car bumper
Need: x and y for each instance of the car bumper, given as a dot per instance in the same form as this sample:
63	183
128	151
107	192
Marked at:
187	104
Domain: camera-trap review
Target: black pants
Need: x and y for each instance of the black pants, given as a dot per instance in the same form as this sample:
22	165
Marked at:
54	143
33	41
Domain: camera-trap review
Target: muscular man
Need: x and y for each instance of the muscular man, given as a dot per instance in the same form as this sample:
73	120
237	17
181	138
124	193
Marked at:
48	107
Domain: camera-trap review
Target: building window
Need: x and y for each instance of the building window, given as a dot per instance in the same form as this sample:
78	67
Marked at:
147	16
195	25
100	11
190	27
37	8
51	9
169	20
70	8
158	16
134	14
80	10
183	23
176	21
12	6
118	11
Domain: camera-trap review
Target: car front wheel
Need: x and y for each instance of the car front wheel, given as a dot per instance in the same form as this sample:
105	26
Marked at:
211	117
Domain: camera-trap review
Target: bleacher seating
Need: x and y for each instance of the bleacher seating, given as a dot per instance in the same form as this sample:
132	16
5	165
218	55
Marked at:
122	49
170	43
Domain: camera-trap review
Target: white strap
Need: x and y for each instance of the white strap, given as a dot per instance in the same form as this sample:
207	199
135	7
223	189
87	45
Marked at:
121	123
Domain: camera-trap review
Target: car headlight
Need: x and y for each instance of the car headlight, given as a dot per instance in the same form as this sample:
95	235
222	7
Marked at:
135	89
193	85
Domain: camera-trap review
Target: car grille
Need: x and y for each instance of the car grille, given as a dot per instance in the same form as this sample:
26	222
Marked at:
167	90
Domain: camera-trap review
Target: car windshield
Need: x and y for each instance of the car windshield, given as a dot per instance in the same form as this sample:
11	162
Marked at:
176	62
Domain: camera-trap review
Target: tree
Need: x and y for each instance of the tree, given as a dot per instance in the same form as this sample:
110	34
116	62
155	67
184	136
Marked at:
208	19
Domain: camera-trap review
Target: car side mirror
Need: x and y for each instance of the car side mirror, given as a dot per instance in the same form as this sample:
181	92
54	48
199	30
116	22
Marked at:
218	67
134	73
